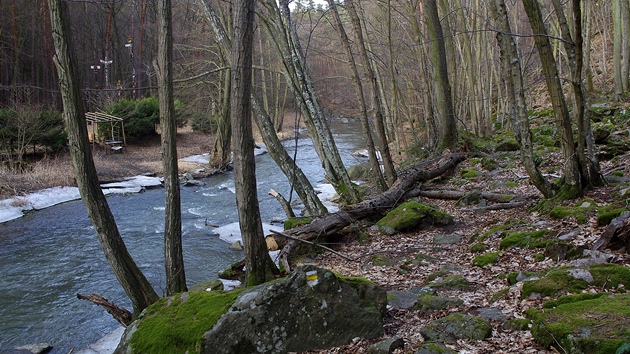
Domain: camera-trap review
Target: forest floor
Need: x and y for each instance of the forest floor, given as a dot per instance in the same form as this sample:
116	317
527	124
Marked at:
391	261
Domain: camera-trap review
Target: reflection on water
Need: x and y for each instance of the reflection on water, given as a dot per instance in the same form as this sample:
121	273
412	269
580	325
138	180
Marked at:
49	256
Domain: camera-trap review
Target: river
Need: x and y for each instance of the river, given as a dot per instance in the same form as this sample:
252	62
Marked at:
50	255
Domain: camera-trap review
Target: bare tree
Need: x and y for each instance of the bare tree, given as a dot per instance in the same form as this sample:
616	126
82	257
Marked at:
572	182
511	65
133	281
173	254
377	176
258	264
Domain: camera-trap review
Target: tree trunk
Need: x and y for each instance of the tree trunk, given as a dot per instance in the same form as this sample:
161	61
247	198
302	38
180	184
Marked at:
312	204
511	66
617	50
572	186
448	126
377	176
258	264
378	117
298	180
286	39
129	276
173	253
221	150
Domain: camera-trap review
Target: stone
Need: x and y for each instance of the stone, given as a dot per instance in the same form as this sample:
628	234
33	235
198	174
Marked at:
38	348
491	314
446	239
193	183
387	346
579	273
237	246
457	326
210	285
402	299
434	348
414	215
507	146
311	309
431	303
570	235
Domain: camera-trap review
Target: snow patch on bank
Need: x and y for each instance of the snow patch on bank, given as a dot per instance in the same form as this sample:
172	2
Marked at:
15	207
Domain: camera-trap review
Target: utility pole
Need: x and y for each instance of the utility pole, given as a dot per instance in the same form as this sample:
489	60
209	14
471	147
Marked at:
106	63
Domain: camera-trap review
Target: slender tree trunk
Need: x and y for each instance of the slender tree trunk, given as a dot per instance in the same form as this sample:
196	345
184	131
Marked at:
133	281
511	66
617	50
312	204
259	266
221	150
284	34
589	168
378	118
448	124
303	187
356	79
173	253
572	182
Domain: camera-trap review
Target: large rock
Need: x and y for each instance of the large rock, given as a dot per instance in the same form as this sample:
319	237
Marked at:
457	326
584	323
414	215
312	309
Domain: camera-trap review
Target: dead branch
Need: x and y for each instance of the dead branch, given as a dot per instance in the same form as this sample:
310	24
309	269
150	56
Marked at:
314	244
500	206
283	202
120	314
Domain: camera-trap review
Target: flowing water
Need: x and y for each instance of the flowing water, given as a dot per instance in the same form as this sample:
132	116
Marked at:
49	256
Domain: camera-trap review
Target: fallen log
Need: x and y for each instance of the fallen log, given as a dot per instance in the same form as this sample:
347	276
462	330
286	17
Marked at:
404	188
454	195
617	234
120	314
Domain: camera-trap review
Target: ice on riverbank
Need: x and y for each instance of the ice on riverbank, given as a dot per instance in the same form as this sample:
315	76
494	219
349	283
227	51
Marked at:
204	159
15	207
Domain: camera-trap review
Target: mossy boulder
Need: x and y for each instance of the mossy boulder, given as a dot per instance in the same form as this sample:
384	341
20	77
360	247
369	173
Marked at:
486	258
434	348
430	303
414	215
573	280
529	239
176	324
580	211
457	326
271	317
311	309
516	324
598	326
607	213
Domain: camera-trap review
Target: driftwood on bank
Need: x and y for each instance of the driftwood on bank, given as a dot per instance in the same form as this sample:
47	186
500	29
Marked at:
617	234
120	314
405	187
